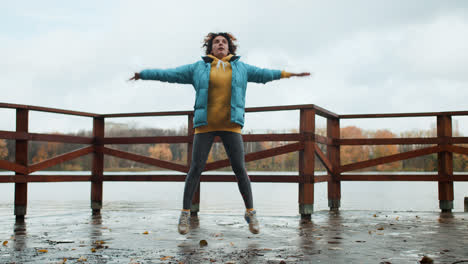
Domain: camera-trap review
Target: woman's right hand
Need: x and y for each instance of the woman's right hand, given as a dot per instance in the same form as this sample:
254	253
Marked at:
136	77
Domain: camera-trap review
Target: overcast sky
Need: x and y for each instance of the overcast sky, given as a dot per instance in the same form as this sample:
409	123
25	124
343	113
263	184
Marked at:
366	57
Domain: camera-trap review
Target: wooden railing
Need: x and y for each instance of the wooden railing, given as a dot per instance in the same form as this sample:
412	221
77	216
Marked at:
305	142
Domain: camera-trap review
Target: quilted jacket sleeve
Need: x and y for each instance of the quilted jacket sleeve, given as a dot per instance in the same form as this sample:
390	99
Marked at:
182	74
259	75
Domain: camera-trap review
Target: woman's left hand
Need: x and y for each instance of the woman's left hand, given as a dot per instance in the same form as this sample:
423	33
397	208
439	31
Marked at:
302	74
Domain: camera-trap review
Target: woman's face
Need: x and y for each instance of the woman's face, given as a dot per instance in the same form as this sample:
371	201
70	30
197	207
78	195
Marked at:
220	47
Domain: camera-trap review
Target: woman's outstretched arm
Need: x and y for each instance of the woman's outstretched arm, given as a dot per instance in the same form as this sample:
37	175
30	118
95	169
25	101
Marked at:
182	74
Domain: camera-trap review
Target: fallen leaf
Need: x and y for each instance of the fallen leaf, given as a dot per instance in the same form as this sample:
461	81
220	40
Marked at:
42	250
335	248
212	260
145	233
82	259
166	257
267	249
5	243
375	215
93	250
380	228
426	260
62	261
203	243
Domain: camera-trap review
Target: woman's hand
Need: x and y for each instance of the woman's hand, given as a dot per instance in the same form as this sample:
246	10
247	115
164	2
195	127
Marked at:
302	74
136	77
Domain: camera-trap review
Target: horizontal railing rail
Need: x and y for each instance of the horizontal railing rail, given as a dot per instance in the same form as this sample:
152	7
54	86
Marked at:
309	144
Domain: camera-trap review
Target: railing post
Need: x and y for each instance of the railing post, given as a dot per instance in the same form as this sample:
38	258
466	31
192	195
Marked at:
21	158
333	153
445	162
307	164
195	208
98	166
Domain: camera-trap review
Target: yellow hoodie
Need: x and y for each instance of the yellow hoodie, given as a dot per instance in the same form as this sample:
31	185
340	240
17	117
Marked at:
219	97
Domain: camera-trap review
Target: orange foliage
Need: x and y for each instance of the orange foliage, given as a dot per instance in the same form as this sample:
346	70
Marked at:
352	154
3	149
385	150
160	151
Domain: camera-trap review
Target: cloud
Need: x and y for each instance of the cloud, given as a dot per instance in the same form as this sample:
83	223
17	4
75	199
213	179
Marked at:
366	56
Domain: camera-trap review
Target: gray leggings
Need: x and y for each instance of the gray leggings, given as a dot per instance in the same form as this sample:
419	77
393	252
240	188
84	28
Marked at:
234	146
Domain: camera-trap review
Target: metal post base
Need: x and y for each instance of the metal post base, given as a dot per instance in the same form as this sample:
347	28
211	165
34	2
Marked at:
334	204
306	210
446	206
20	210
96	207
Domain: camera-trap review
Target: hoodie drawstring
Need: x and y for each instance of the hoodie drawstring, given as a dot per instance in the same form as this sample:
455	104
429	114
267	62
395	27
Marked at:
222	63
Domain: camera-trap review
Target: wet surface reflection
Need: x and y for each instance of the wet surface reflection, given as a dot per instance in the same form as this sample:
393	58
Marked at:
133	233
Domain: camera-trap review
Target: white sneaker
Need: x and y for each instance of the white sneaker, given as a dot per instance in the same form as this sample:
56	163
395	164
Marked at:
184	222
251	218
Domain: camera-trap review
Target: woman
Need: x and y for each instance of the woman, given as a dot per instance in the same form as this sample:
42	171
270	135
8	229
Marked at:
220	81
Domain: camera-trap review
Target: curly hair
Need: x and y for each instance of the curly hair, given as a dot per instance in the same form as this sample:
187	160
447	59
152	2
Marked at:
208	42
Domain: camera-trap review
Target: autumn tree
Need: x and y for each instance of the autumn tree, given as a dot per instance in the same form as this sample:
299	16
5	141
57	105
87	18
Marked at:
352	154
161	151
3	149
378	151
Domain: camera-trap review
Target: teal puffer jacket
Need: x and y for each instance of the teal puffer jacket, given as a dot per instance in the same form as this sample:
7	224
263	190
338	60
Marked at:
198	74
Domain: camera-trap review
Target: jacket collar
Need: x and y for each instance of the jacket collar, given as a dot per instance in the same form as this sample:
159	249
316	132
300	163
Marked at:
207	59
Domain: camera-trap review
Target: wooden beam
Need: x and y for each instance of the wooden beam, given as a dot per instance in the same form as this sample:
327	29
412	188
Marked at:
97	169
445	165
271	137
307	164
46	109
390	158
389	141
388	177
323	159
457	149
324	178
21	159
60	159
168	113
143	159
146	140
356	116
203	178
323	140
10	166
333	153
258	155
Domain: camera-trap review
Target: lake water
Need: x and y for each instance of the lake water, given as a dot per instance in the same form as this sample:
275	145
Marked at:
224	198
